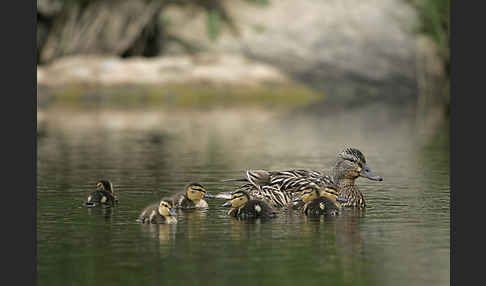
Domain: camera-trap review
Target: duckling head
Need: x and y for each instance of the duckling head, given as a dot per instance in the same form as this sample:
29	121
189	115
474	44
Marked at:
166	208
312	191
351	164
332	194
329	192
309	193
195	192
104	185
238	198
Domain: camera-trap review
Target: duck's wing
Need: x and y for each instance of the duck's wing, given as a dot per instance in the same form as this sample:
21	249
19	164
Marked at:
269	194
276	197
293	180
258	178
280	179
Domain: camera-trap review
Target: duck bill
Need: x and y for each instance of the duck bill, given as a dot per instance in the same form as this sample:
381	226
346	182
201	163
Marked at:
227	204
172	212
208	196
367	173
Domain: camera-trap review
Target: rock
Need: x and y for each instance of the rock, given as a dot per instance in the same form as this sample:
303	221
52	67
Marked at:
350	46
112	71
49	8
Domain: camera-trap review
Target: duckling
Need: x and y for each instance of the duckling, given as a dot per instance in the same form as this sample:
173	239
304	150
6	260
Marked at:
192	197
329	192
319	201
280	186
103	195
160	213
244	207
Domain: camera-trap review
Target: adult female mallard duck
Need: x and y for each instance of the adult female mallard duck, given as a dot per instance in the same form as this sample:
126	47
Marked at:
244	207
317	202
159	213
103	195
192	197
280	187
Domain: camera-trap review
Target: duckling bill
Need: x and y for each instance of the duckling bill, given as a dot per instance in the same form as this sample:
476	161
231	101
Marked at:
192	197
161	213
103	195
244	207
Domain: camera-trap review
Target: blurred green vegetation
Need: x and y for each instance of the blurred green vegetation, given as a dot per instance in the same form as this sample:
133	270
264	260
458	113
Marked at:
435	22
179	96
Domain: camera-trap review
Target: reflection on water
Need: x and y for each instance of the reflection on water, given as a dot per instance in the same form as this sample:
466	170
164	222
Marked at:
165	233
401	238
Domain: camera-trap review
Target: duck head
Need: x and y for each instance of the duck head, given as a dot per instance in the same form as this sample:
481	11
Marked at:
166	208
351	164
104	185
195	192
238	198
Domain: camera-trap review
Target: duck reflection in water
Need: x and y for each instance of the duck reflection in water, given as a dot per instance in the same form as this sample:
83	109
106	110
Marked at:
106	212
194	222
163	232
344	230
349	238
246	229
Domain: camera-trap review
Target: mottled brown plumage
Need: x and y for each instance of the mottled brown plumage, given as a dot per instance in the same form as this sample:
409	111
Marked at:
279	188
191	197
158	213
350	165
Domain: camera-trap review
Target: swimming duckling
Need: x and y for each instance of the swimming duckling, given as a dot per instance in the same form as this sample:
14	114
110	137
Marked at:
103	195
192	197
242	206
160	213
319	202
329	191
